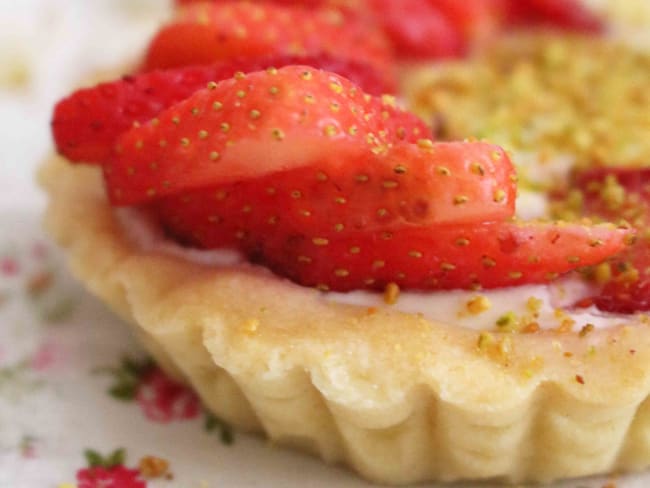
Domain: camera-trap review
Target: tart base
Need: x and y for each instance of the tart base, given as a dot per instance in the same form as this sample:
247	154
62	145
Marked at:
398	398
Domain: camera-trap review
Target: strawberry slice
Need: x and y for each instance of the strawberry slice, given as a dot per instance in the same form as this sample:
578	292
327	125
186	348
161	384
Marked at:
449	183
445	28
382	180
303	3
487	255
418	29
476	20
628	289
87	123
566	14
614	194
252	125
204	33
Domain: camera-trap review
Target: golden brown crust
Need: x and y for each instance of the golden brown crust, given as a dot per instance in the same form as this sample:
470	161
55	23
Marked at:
398	398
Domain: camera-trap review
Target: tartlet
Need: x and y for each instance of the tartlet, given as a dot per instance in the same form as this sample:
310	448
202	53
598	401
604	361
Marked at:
397	396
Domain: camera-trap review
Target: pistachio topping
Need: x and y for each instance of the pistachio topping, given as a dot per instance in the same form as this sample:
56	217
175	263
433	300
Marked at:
528	93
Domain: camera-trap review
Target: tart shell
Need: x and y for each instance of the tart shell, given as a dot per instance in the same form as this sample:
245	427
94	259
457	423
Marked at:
396	397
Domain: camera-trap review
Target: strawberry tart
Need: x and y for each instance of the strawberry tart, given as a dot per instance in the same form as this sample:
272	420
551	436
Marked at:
380	289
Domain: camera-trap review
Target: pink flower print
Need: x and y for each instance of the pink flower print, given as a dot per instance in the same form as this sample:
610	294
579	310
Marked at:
45	357
27	448
108	472
164	400
115	477
161	398
39	250
9	266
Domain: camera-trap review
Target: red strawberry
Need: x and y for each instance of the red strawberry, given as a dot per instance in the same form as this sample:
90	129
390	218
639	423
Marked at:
567	14
370	79
487	255
86	124
115	477
203	33
418	29
475	20
164	400
448	183
628	290
353	4
396	184
253	125
442	28
615	194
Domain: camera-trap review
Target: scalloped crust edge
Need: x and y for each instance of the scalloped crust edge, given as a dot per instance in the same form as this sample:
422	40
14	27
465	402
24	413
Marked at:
396	397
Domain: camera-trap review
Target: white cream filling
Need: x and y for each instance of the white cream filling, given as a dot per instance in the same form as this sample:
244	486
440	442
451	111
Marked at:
542	174
451	306
531	205
148	236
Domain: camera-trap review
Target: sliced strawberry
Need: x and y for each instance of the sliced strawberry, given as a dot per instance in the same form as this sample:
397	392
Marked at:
628	289
615	194
450	183
441	257
476	20
355	8
418	29
204	33
252	125
289	3
566	14
86	124
352	4
368	77
444	28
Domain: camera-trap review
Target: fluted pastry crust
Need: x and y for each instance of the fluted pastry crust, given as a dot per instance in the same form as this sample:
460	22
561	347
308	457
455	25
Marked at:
396	397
